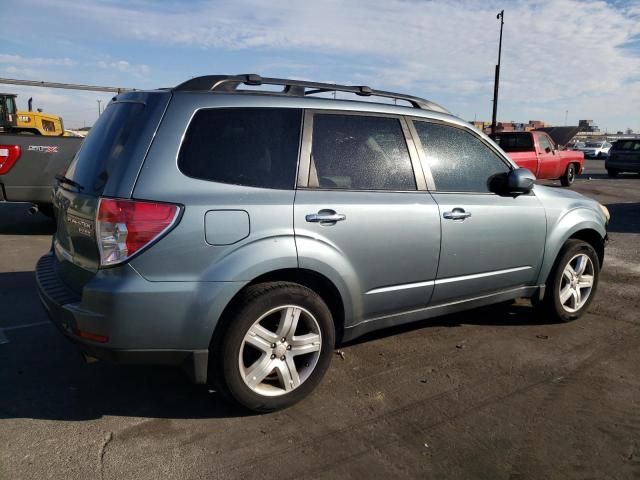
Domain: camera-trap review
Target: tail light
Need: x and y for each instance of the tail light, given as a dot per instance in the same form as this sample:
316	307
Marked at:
124	227
9	155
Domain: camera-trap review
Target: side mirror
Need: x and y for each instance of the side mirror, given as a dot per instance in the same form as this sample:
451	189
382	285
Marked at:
520	180
515	182
548	150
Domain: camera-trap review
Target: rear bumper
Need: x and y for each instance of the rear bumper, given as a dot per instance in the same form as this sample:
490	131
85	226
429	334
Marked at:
131	320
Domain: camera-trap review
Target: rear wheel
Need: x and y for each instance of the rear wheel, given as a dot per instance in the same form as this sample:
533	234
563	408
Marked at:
612	172
572	283
277	346
569	175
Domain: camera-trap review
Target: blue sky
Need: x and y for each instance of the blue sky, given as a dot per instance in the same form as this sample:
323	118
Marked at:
558	55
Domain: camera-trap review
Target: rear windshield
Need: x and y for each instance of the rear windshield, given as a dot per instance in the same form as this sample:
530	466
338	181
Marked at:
103	147
514	142
256	147
626	145
593	145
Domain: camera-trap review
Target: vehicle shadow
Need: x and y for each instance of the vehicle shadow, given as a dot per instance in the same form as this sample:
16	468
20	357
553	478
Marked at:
604	176
502	314
44	377
625	217
15	219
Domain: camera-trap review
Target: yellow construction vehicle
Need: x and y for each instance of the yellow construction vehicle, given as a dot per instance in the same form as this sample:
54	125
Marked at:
29	122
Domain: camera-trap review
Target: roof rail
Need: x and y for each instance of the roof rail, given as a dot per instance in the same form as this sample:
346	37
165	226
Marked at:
297	88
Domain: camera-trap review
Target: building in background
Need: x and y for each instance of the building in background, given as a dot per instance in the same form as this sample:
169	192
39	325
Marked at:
587	126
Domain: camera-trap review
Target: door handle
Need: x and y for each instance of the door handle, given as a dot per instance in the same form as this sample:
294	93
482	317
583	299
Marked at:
456	214
325	217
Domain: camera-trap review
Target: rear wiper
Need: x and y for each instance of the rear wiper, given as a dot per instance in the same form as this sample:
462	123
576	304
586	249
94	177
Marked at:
68	181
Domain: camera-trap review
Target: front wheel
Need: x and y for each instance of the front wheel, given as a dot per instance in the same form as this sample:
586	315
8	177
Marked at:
277	346
569	176
572	283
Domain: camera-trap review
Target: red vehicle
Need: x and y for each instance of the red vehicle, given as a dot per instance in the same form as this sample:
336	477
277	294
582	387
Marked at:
537	152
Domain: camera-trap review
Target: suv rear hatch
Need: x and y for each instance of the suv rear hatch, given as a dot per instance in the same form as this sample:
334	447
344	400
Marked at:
106	165
625	152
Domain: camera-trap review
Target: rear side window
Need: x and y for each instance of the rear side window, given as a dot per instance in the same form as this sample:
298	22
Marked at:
256	147
515	142
103	147
359	152
626	145
458	160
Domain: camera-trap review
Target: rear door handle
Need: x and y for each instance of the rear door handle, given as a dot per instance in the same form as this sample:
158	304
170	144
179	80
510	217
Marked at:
456	214
327	216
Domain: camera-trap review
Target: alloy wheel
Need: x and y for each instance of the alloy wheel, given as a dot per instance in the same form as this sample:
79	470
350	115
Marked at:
280	350
576	283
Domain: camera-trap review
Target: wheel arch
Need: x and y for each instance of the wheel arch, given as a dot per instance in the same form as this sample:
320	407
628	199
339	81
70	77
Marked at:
594	239
587	229
316	281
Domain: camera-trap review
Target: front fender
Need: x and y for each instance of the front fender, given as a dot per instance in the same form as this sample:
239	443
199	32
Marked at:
566	226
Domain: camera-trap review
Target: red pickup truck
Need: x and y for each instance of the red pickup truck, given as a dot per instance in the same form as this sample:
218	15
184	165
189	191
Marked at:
537	152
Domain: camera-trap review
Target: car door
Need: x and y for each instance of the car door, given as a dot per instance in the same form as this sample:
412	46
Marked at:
490	243
362	215
550	165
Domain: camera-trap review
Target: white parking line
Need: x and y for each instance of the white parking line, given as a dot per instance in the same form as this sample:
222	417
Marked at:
3	337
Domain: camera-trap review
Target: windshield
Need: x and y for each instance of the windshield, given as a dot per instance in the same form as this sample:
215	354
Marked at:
593	145
101	150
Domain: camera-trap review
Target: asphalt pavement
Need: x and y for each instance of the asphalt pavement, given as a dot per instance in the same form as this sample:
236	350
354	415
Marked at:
496	393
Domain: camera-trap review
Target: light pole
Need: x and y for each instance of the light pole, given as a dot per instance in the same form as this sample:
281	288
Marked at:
497	77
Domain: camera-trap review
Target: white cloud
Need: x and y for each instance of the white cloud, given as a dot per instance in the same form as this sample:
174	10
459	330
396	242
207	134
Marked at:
124	66
36	62
558	54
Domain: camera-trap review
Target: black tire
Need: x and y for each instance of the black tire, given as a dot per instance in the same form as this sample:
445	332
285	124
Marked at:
254	303
569	176
551	304
612	172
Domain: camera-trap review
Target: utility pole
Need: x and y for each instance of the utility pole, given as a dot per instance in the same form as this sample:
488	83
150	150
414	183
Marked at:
99	112
566	115
496	82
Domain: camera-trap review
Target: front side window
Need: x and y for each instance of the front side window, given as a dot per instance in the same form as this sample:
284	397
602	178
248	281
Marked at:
544	144
458	160
360	152
255	147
